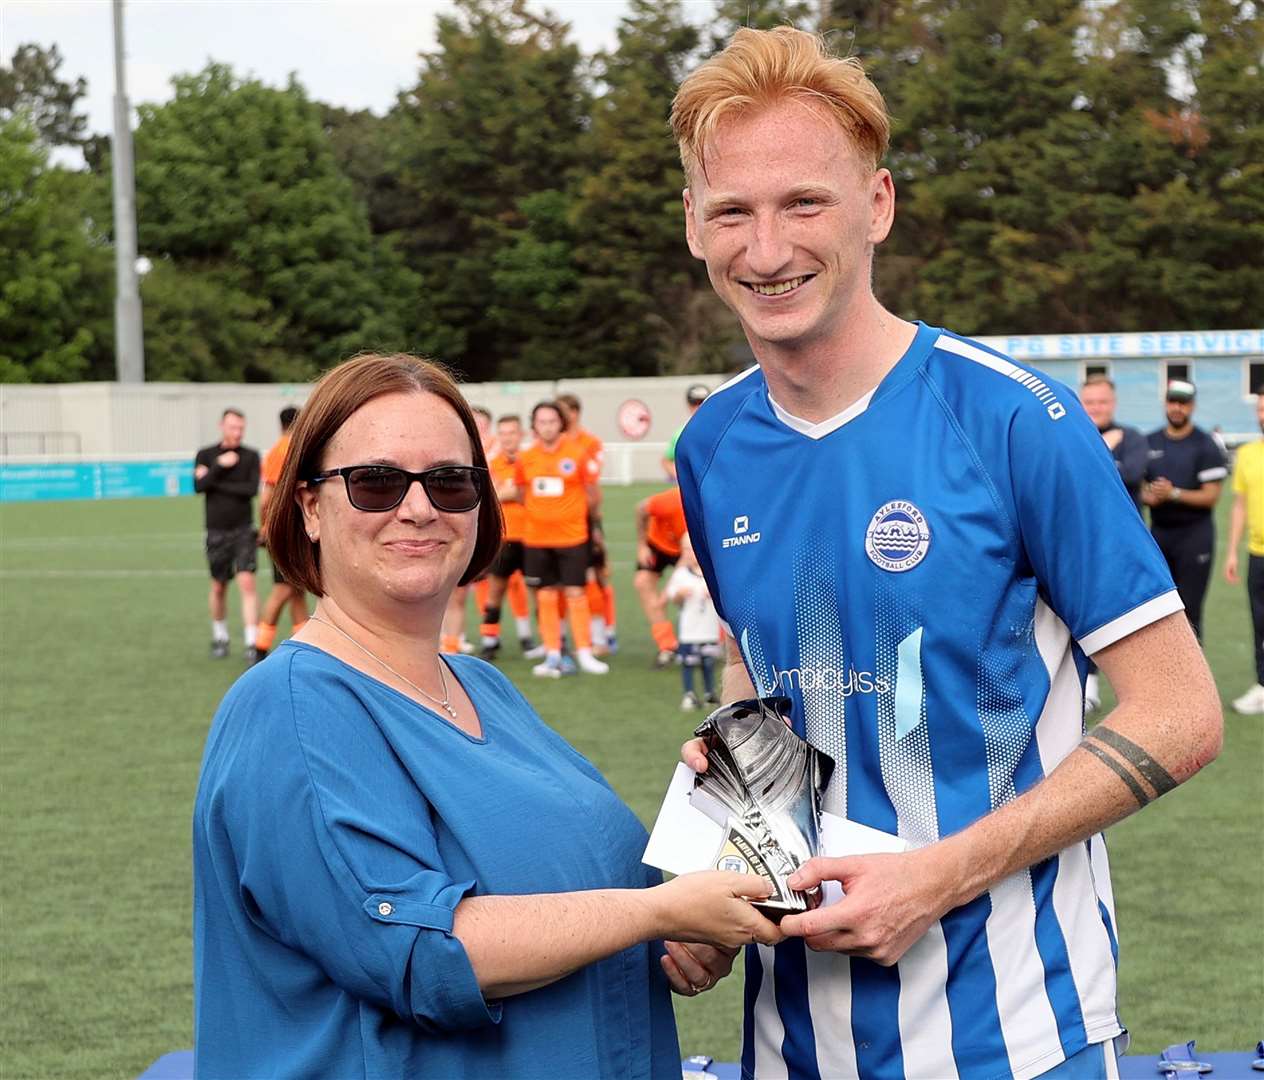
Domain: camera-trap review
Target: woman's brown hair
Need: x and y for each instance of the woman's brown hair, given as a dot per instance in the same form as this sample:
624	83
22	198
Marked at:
340	393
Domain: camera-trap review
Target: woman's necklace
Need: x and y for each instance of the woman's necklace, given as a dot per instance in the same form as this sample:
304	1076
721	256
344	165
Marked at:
445	704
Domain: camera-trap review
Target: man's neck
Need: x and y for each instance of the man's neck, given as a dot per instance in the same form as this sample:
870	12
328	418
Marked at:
820	379
1176	434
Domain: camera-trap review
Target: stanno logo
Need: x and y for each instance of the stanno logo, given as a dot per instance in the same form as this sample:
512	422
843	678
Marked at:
741	533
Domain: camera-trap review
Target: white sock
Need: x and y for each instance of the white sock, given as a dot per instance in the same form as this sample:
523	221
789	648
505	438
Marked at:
597	630
251	633
524	626
555	656
219	630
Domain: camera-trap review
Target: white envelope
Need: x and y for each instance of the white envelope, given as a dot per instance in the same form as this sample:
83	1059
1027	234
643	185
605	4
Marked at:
685	839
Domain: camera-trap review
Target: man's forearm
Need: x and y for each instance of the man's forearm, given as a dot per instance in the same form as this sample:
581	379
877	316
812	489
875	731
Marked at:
1203	497
1237	522
1165	729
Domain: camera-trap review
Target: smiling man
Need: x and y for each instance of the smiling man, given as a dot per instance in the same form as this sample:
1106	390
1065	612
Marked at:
912	524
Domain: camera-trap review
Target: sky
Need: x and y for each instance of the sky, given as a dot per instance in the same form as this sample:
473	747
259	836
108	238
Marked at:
353	53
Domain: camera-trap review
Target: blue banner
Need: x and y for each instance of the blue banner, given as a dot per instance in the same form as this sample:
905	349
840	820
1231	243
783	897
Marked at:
96	480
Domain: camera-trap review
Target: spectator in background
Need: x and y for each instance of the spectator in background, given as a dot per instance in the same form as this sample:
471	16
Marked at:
505	576
1185	472
227	473
660	528
699	627
1126	444
1129	449
1248	517
453	639
557	481
694	396
600	593
282	592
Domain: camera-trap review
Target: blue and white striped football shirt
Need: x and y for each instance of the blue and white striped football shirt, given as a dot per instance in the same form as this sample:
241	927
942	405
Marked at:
923	575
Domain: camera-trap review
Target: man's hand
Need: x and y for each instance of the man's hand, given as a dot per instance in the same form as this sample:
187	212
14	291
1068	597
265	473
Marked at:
1231	567
695	968
200	471
1159	491
227	459
1113	438
890	901
644	557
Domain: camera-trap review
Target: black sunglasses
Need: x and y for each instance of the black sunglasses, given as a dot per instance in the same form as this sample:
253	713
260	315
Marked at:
454	489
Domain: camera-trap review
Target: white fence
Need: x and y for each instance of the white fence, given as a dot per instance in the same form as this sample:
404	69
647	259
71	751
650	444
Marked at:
107	422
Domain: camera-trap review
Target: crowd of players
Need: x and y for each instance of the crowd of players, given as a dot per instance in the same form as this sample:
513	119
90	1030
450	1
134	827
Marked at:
548	478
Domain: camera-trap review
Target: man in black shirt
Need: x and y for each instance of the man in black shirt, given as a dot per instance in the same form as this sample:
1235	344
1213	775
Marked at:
227	473
1183	480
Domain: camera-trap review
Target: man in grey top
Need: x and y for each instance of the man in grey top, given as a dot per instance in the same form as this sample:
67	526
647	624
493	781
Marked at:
1129	449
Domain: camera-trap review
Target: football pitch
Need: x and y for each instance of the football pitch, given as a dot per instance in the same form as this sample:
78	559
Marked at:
106	691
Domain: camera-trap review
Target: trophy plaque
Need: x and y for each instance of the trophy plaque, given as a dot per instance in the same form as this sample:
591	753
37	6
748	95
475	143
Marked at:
764	785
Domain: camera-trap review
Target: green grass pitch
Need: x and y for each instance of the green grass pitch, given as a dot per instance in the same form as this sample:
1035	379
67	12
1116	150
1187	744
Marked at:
106	692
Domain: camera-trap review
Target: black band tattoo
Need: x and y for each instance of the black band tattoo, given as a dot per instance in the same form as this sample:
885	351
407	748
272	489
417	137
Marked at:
1151	771
1138	792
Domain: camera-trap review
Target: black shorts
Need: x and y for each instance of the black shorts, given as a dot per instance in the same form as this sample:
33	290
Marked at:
509	560
231	551
659	560
546	567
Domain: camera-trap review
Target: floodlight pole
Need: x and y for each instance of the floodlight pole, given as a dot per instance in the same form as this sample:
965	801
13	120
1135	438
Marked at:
129	342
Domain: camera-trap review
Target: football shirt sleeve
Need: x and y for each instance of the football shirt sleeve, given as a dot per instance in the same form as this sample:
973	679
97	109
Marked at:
1093	560
1211	463
695	522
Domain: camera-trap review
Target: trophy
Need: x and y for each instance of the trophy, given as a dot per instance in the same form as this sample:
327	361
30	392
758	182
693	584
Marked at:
764	785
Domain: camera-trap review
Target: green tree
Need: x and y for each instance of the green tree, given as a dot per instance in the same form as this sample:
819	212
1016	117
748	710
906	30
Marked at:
55	268
30	87
238	181
601	274
731	15
496	117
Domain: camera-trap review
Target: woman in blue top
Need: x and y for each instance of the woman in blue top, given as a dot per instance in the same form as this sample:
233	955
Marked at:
399	870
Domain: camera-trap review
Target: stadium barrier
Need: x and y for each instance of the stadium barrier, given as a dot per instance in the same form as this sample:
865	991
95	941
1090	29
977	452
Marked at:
45	478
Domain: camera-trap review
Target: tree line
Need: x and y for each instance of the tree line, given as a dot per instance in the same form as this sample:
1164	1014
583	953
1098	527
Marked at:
1060	165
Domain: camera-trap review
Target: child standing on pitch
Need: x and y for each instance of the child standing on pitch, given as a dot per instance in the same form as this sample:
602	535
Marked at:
699	630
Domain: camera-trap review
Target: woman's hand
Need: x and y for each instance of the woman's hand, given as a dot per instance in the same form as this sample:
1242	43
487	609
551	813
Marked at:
713	906
694	754
694	969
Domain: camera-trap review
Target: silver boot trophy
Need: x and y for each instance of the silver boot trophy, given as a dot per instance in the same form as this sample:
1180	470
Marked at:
764	784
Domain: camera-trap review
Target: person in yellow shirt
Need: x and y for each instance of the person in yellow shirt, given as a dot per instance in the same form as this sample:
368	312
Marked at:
1248	516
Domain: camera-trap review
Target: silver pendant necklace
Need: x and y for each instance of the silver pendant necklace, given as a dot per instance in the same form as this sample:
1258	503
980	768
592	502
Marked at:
445	704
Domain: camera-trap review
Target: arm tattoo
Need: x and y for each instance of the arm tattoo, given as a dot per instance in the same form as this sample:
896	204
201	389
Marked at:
1151	771
1138	792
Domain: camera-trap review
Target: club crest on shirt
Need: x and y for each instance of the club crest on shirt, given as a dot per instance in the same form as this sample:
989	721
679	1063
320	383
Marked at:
566	466
898	537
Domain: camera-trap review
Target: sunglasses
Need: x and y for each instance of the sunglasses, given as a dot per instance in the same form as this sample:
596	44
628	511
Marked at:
454	489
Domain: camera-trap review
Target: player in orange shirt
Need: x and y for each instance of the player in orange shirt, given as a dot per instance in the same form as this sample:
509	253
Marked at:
601	605
660	527
556	478
283	592
505	576
452	636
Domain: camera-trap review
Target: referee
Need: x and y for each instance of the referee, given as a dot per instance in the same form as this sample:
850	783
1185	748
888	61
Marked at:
1184	475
